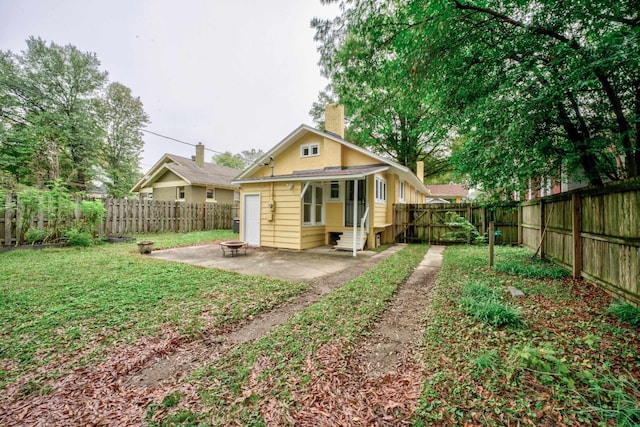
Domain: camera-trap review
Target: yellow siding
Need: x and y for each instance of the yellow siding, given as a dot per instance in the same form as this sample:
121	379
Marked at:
334	214
332	152
380	215
280	225
312	237
355	158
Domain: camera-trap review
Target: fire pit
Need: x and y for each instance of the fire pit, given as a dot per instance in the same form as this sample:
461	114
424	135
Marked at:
233	247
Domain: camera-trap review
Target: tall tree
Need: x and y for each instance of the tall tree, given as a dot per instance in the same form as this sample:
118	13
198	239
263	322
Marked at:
121	117
238	161
49	115
228	159
531	87
388	106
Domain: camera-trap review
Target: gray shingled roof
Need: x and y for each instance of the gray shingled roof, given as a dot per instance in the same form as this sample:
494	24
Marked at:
209	174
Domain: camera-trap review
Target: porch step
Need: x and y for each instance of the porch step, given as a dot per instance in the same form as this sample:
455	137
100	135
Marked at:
345	242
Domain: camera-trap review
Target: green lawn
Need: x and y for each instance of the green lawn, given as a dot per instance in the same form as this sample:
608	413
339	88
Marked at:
67	306
564	360
559	356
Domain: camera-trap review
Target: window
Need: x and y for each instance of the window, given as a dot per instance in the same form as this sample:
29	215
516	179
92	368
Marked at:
308	150
401	192
211	194
180	193
312	207
334	191
381	190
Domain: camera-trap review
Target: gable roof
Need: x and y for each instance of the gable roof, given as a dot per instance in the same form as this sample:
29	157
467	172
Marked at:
330	172
448	190
209	174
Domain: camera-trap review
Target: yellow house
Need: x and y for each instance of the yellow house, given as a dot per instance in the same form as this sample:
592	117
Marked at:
314	189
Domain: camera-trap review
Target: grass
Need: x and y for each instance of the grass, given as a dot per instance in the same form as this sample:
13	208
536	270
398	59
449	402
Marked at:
485	304
518	262
571	362
567	356
58	304
625	312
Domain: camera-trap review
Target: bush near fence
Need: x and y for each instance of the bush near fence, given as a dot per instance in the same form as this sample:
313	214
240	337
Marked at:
126	217
428	223
593	232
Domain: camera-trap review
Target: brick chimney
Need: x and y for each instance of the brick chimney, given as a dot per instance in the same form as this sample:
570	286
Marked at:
200	154
334	119
420	170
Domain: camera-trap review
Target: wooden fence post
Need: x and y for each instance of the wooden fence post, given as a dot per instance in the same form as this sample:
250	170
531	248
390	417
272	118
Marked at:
491	243
542	222
576	231
520	230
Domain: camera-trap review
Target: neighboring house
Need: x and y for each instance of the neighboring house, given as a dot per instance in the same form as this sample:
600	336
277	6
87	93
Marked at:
314	189
447	193
176	178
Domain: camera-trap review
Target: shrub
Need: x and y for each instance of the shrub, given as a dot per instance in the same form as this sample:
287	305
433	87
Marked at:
625	312
92	215
76	237
462	230
36	235
483	303
533	269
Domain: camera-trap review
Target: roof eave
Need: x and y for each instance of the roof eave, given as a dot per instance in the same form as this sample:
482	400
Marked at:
327	177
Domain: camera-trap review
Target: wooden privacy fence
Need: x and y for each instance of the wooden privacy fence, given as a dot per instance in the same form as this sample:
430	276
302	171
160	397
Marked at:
125	217
595	233
427	223
147	216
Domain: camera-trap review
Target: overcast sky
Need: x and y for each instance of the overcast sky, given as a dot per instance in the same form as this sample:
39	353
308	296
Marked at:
232	74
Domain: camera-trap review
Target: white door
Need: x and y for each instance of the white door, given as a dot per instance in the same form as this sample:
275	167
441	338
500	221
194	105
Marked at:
251	219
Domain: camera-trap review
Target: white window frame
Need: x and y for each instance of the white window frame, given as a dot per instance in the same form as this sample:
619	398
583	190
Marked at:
307	150
182	190
313	205
331	188
380	189
401	192
210	199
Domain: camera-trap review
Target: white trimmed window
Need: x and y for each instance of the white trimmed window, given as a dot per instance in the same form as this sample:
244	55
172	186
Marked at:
312	206
381	190
334	190
309	150
180	193
401	192
211	194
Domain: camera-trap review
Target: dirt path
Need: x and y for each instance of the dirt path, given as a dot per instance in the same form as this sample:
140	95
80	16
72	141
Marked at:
185	359
399	331
379	383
